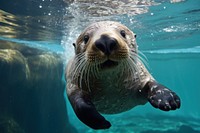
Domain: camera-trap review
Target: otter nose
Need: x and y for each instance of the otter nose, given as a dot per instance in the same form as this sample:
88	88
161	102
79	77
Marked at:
106	44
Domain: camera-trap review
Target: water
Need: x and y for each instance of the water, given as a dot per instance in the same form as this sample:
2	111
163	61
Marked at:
168	33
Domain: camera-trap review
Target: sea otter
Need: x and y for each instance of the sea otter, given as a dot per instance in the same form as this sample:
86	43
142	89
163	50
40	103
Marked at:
107	75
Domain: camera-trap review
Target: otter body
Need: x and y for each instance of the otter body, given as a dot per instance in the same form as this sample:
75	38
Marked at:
107	76
114	92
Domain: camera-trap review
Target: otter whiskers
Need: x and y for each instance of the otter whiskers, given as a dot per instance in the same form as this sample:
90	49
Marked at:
83	70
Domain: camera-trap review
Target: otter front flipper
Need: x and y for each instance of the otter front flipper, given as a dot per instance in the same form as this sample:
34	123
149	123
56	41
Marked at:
86	111
161	97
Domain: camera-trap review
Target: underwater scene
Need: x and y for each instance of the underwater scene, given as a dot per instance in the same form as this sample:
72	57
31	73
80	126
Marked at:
36	43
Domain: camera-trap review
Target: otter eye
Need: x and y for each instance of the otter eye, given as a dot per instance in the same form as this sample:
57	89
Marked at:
123	33
135	35
86	38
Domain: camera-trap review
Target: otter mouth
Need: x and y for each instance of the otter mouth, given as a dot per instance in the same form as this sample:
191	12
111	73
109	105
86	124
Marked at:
108	64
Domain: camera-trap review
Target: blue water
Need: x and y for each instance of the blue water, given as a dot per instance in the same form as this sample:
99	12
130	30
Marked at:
167	33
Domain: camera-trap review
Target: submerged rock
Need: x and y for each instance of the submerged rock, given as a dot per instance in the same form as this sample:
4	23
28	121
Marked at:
12	64
9	125
32	90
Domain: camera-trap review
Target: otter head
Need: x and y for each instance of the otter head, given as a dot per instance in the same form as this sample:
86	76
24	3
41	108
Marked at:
106	44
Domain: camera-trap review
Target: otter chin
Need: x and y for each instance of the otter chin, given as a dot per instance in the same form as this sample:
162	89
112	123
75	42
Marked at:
107	75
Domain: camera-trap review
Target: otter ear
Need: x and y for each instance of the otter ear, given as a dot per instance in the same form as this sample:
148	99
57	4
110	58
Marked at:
74	45
135	35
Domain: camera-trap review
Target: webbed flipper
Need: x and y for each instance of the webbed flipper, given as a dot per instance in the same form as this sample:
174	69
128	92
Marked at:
86	111
161	97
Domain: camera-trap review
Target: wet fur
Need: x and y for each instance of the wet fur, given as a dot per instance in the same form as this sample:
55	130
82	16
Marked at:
94	88
129	75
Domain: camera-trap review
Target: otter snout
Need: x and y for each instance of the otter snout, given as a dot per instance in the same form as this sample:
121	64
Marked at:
106	44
